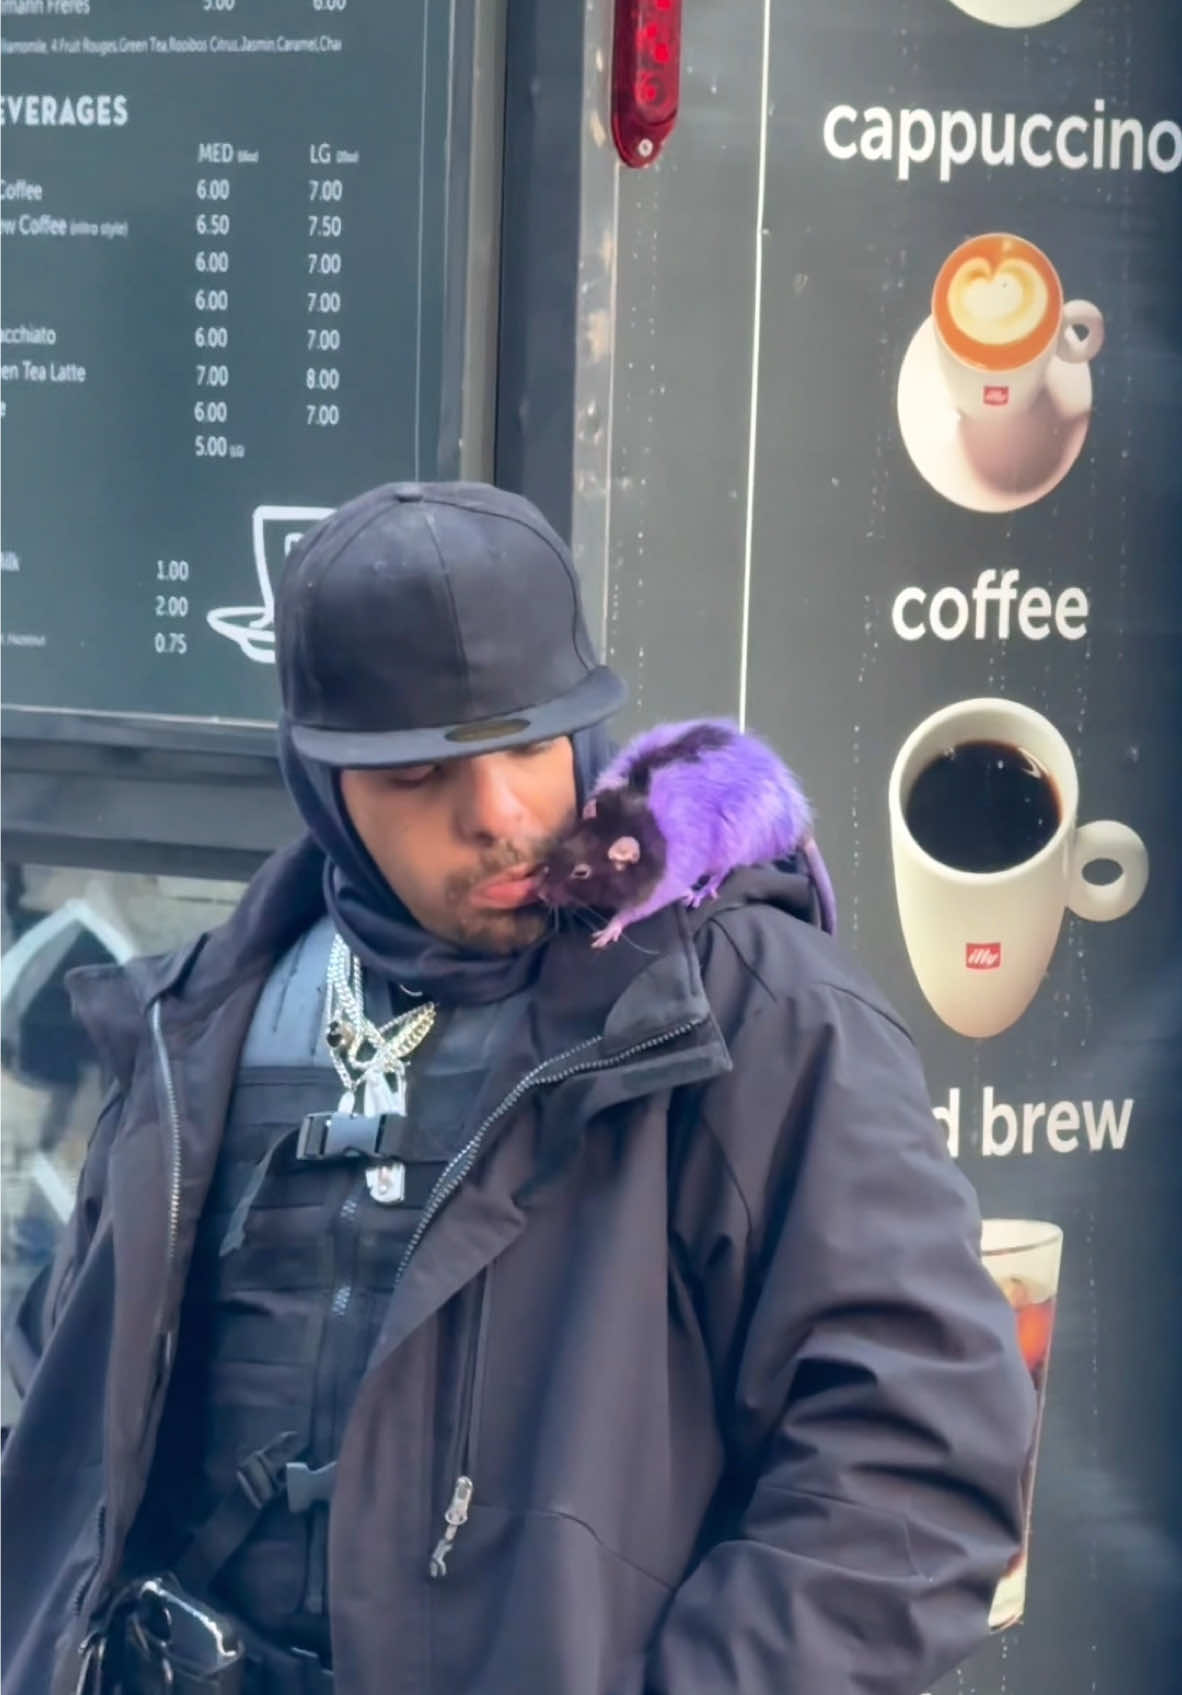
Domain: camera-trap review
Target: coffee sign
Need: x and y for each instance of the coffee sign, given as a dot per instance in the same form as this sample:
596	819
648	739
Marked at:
988	856
964	630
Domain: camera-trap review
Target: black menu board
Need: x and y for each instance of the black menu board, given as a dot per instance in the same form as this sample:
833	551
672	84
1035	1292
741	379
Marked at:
223	251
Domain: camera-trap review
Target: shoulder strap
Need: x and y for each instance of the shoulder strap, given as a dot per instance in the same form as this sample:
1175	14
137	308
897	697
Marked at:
261	1478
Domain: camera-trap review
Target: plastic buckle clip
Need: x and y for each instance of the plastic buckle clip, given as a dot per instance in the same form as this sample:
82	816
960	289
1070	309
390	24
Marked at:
340	1135
305	1486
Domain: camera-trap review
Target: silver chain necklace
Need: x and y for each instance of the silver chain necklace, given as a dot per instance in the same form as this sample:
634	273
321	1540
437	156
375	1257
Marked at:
367	1057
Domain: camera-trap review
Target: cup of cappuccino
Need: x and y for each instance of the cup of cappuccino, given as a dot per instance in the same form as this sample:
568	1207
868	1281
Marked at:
988	853
1000	318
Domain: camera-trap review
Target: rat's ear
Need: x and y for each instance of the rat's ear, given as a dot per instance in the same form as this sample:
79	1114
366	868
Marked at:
625	850
590	809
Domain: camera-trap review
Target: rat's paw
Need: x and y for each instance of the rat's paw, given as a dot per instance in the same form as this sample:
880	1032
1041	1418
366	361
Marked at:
611	932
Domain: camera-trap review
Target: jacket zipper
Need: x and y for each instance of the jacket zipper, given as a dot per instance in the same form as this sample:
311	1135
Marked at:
456	1513
174	1125
174	1219
461	1164
345	1249
468	1422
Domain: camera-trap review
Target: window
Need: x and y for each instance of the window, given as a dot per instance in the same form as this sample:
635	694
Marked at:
51	1086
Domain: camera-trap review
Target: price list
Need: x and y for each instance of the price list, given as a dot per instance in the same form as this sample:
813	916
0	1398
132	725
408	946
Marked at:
223	242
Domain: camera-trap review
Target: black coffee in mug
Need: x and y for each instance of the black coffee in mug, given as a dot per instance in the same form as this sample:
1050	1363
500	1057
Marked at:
983	806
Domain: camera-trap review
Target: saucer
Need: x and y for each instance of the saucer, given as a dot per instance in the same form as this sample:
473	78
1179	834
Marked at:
991	466
1015	14
251	627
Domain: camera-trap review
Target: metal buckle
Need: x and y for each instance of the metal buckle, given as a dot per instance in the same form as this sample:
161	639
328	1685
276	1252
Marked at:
93	1652
386	1182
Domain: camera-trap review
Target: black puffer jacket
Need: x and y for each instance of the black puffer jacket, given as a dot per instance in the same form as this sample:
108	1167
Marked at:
705	1324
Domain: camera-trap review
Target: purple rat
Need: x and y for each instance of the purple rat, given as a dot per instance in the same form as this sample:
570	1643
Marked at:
680	808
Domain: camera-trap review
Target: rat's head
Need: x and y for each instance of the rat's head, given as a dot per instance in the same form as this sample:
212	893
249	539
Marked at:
613	858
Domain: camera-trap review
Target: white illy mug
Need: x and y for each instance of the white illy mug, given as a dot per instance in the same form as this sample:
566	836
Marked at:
980	941
999	319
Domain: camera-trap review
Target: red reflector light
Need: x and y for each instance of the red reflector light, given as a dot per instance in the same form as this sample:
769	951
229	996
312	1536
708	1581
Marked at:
646	77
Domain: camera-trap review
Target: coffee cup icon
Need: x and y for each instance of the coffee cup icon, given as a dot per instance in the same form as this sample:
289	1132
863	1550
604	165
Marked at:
988	854
274	531
1000	319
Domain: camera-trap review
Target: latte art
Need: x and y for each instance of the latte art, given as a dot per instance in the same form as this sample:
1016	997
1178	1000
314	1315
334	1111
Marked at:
997	303
997	306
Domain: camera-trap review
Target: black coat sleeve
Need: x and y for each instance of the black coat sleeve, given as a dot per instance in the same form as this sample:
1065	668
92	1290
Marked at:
876	1408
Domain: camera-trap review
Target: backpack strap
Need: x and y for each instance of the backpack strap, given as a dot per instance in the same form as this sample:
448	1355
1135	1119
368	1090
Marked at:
261	1479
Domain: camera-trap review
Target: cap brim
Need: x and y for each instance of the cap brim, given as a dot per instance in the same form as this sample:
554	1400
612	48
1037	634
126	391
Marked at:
596	697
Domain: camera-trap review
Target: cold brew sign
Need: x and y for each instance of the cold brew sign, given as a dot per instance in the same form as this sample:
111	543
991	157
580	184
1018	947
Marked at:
222	228
967	492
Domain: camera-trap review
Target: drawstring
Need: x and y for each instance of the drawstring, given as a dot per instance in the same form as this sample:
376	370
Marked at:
236	1229
456	1513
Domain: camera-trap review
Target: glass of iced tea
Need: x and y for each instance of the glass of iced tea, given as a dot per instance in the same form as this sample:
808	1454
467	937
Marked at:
1024	1257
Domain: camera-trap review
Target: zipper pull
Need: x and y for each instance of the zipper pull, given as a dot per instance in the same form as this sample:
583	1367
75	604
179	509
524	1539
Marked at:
455	1516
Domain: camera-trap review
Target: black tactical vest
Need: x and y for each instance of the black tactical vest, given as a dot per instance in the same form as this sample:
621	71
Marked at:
285	1300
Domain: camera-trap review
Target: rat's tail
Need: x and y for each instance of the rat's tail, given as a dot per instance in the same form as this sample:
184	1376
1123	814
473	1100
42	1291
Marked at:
822	883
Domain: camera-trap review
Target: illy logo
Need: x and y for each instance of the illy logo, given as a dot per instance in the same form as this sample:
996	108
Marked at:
982	956
997	394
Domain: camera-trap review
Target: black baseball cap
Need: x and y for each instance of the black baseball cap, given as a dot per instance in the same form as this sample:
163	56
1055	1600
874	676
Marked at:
430	621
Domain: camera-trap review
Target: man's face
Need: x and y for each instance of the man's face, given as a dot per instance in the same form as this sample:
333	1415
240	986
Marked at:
455	841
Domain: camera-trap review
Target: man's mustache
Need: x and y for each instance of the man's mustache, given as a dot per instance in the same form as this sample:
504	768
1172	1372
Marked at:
495	863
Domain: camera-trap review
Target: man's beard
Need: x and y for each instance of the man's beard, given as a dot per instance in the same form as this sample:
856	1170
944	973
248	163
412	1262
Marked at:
486	930
501	932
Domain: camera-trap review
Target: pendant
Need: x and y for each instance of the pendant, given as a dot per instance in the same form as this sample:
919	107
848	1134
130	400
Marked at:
338	1034
387	1183
378	1097
348	1103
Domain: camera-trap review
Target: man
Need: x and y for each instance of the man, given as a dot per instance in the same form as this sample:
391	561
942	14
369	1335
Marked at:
470	1310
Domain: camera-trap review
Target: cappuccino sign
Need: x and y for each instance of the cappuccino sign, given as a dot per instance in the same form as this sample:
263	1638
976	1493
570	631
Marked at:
995	395
964	631
916	141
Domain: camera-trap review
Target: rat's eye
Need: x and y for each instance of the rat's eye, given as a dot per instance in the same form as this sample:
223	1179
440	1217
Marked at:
579	872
